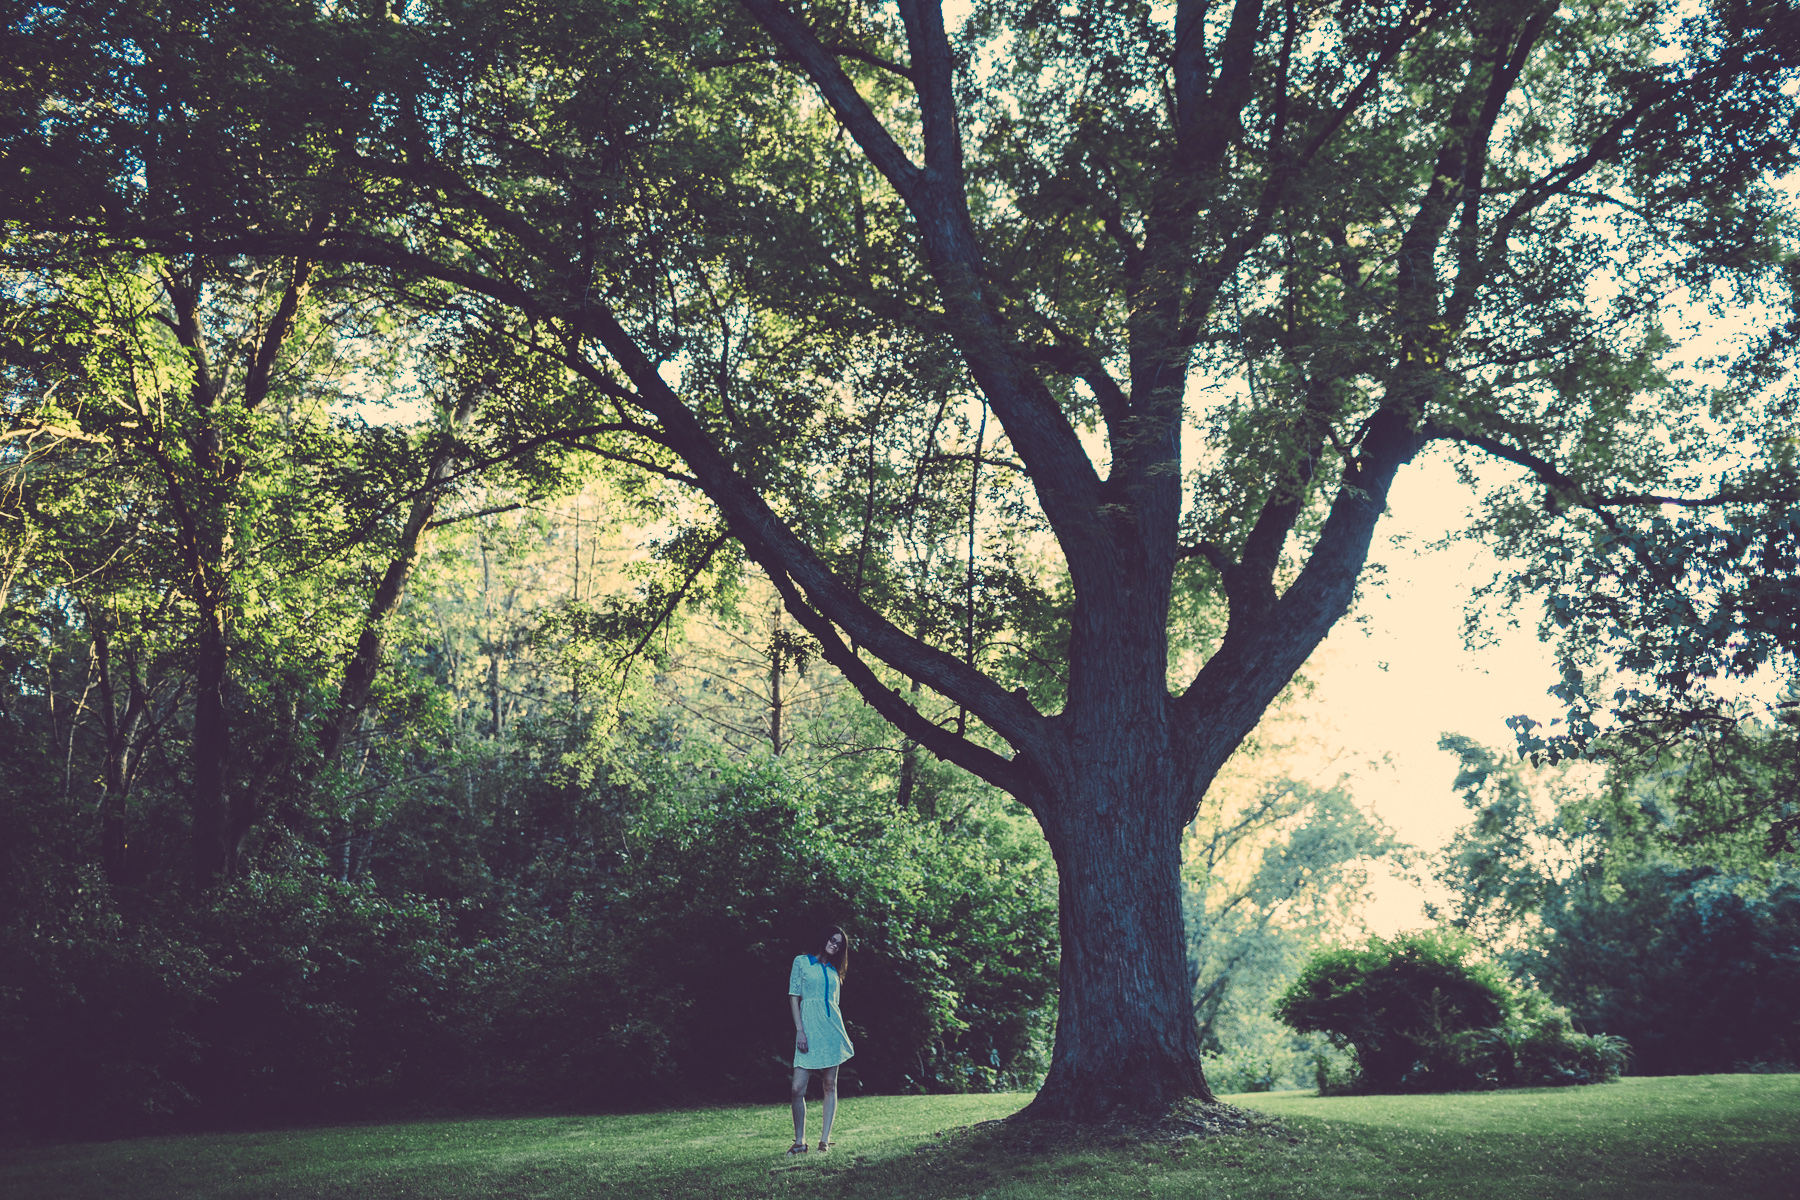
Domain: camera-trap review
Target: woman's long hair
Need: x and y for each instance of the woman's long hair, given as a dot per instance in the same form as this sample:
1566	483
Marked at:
842	961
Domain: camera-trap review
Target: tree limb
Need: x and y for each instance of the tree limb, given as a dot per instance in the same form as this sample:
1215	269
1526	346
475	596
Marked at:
815	596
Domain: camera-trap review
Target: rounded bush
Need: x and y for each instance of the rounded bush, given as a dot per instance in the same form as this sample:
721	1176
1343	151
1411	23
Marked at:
1424	1012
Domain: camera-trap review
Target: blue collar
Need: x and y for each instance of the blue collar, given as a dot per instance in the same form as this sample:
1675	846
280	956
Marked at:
816	961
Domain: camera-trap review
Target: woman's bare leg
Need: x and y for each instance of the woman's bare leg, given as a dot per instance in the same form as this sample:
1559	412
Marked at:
830	1082
797	1096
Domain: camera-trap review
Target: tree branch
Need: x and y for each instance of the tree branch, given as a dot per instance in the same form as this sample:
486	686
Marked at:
1008	775
815	596
838	91
485	512
1068	489
1258	657
680	594
837	49
1573	491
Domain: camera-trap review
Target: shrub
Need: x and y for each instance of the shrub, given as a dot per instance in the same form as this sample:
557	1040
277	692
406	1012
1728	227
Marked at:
616	950
274	997
1422	1012
97	1015
331	998
954	937
1265	1056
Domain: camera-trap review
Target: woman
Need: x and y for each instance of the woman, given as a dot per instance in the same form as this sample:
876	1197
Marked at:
820	1043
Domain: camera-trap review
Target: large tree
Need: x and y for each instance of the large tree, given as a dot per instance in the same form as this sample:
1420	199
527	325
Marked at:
1320	238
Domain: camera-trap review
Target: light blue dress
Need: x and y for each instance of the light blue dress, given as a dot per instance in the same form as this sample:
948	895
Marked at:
816	982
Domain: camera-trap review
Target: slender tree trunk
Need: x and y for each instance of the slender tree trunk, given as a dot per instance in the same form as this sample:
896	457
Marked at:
204	500
495	713
112	800
371	644
909	773
909	770
775	705
121	731
775	669
211	750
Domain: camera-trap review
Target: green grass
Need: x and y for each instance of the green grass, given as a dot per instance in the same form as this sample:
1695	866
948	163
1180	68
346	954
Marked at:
1642	1139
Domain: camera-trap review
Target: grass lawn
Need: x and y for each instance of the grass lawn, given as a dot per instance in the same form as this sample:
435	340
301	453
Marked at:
1642	1139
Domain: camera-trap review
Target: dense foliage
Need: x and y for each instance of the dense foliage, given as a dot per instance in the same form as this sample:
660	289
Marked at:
1664	625
1425	1012
1698	969
530	945
1612	895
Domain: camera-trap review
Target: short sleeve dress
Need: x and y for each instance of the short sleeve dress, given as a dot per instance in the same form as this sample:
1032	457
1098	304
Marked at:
815	981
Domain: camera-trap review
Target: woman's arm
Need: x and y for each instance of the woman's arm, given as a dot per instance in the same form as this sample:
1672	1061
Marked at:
799	1025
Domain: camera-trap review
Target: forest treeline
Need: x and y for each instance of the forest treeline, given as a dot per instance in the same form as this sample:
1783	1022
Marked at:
558	851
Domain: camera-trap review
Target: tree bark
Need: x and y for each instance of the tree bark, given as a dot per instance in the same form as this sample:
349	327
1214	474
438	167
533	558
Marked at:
213	857
1126	1041
121	730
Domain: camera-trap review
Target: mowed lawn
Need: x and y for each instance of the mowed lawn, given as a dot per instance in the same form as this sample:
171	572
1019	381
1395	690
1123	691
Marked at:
1639	1139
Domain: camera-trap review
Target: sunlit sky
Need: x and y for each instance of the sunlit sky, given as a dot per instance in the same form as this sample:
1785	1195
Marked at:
1387	687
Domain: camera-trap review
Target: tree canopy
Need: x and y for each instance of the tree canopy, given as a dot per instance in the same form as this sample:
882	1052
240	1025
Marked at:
1155	301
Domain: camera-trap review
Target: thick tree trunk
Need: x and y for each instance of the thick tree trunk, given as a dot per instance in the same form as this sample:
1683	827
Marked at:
1126	1042
1113	805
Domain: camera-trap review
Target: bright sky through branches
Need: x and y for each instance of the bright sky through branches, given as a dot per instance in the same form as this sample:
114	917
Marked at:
1387	686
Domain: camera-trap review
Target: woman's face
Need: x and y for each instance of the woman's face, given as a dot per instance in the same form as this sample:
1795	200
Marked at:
833	944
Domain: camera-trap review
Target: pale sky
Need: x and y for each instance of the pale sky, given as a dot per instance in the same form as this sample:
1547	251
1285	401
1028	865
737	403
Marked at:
1386	689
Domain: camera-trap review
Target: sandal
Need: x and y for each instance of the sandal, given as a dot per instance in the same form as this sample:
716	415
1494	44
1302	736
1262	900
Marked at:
824	1147
796	1148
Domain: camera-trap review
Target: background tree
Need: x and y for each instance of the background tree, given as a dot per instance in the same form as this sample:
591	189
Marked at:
1605	891
459	915
1375	229
1694	966
1274	867
1674	635
1664	624
182	471
174	390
